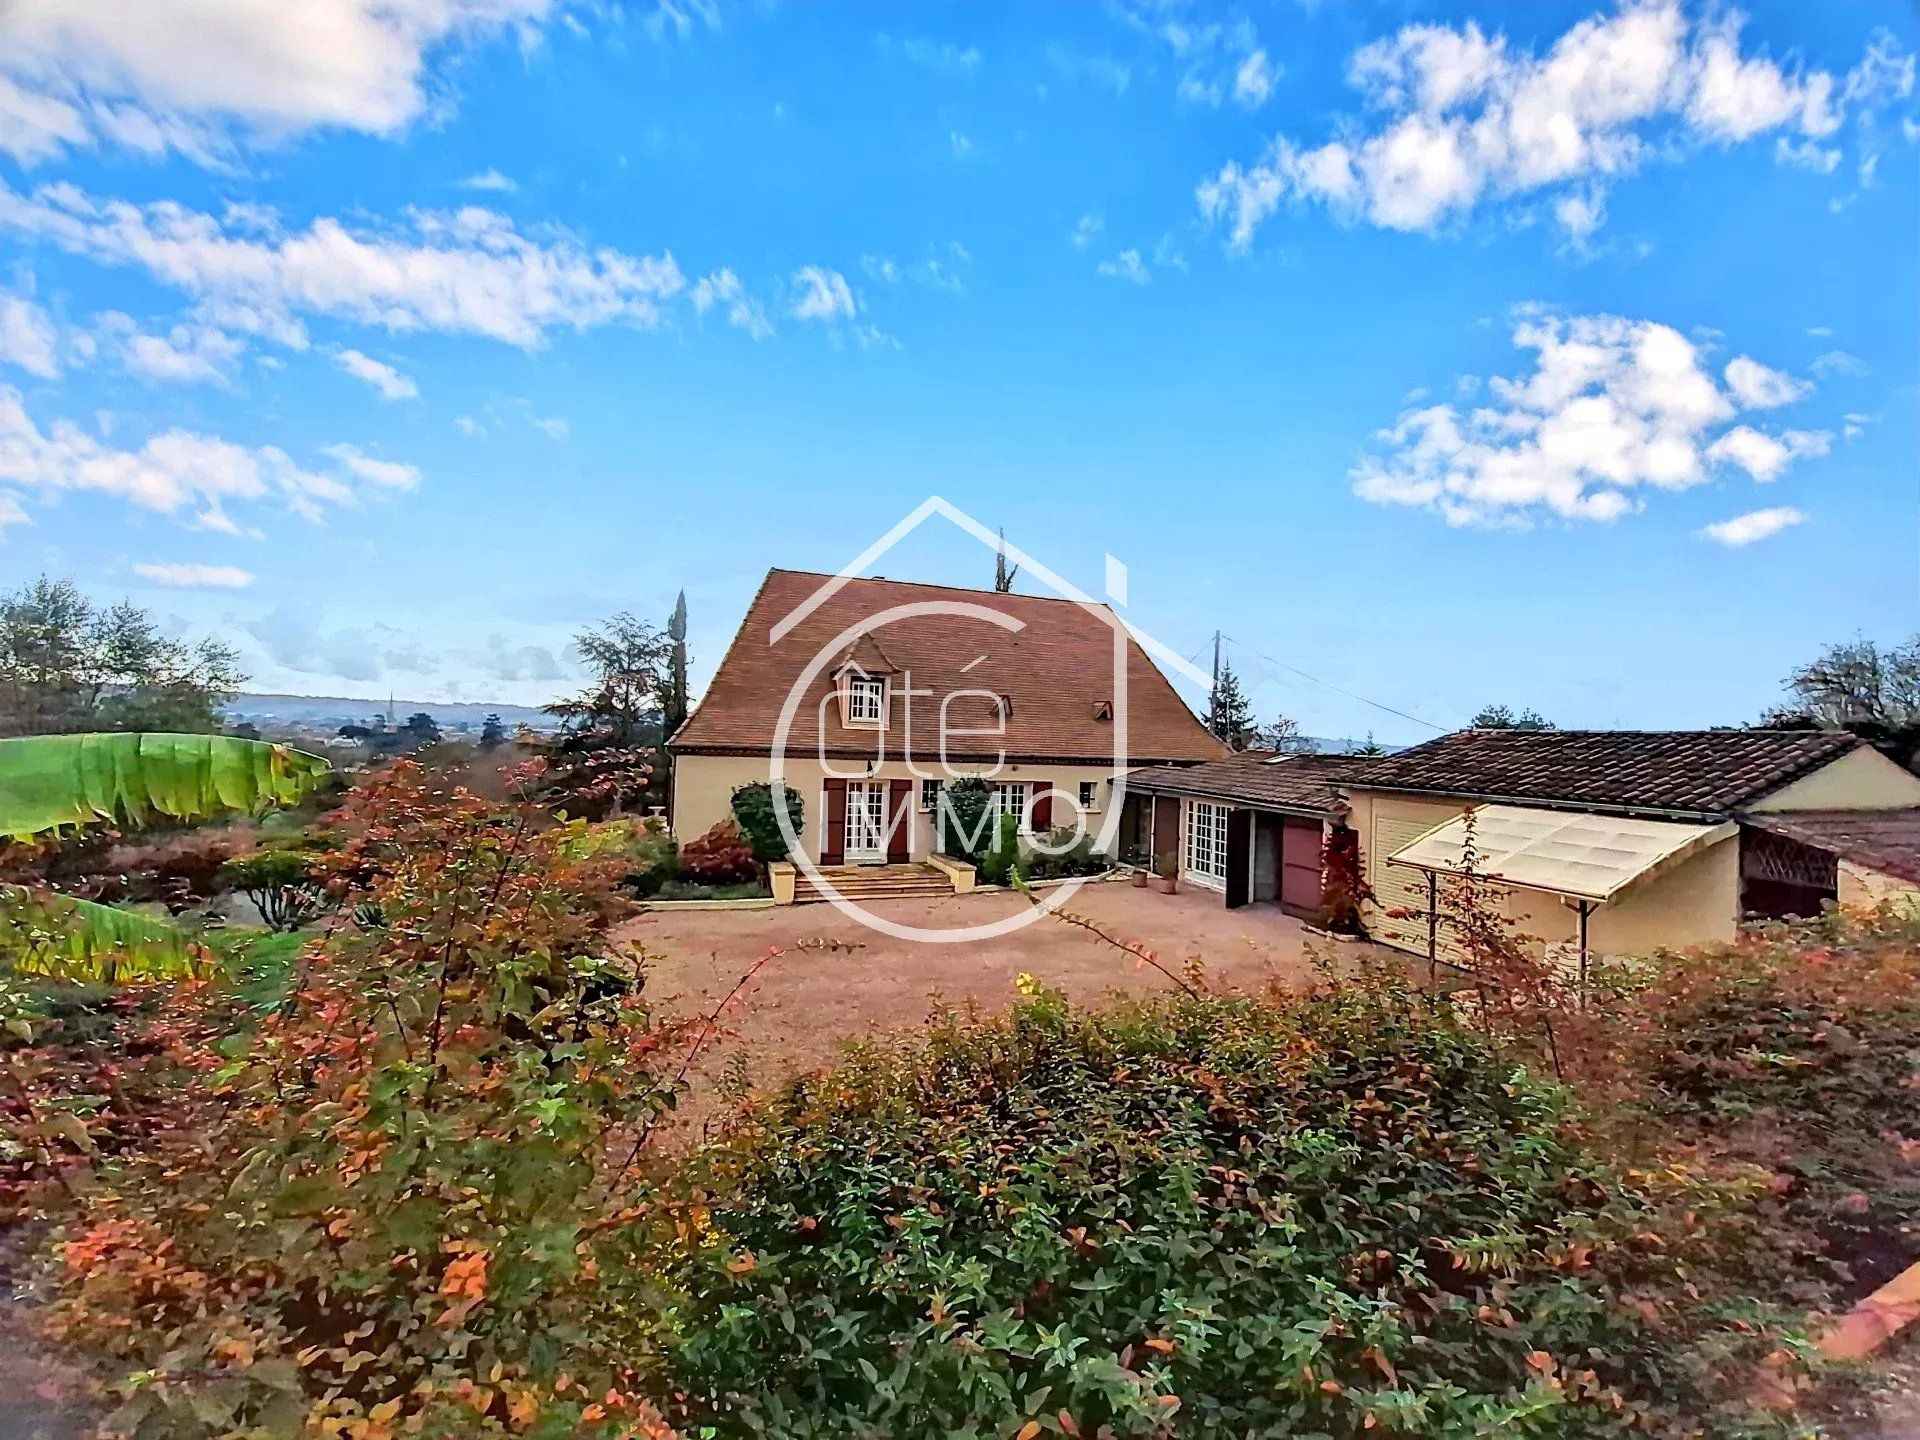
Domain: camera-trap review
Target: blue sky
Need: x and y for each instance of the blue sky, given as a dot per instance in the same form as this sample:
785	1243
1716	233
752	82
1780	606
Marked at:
1563	355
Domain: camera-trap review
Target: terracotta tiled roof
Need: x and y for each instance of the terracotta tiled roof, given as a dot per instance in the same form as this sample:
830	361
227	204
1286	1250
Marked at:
1056	669
1705	772
1883	840
1259	778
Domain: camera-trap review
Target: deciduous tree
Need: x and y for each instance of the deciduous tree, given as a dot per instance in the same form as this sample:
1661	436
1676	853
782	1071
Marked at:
67	665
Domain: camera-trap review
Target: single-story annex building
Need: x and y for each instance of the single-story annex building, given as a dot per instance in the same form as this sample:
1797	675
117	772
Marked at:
937	692
1606	842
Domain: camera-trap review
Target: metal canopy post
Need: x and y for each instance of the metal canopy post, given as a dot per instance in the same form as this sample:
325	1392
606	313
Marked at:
1586	908
1433	929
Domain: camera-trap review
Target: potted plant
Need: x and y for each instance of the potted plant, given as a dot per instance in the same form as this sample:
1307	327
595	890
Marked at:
1139	878
1135	857
1166	876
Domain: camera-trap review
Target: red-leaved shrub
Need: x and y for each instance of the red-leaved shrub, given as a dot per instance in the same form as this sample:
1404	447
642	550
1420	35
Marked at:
722	856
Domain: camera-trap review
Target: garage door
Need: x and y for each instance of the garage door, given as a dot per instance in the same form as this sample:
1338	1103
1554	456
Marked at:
1300	868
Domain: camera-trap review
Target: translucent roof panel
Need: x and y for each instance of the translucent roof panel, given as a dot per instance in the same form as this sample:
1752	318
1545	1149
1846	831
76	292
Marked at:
1589	857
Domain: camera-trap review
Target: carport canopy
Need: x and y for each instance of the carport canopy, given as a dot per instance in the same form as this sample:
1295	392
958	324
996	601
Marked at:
1582	856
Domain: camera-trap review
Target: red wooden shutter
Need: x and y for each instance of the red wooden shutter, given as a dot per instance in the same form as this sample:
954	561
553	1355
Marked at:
833	847
1040	814
899	802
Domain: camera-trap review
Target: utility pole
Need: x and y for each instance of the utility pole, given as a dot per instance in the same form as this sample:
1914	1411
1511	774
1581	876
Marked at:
1213	695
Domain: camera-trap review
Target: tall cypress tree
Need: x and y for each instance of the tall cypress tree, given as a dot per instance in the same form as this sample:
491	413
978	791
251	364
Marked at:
674	711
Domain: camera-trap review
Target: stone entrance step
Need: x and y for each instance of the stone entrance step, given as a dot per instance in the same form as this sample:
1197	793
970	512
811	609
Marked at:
875	882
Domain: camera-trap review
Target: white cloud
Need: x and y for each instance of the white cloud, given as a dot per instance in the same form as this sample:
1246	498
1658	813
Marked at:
389	382
190	353
943	268
1610	410
1754	525
1735	98
1459	119
491	181
1125	266
1766	457
195	75
11	513
1102	71
191	477
387	474
1756	387
293	638
1807	154
1087	230
825	295
502	660
1216	54
962	144
1253	82
681	18
196	577
723	288
1838	362
1579	213
28	337
468	271
553	427
939	55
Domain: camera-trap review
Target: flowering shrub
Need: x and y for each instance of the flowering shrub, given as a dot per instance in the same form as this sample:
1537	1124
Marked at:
719	857
384	1207
1205	1217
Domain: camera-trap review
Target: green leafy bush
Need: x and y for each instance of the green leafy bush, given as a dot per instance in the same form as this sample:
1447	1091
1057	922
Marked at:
754	809
1336	1216
656	861
741	890
964	804
280	883
1002	859
1064	856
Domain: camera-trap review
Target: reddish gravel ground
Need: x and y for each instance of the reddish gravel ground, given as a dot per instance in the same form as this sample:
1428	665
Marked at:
806	1003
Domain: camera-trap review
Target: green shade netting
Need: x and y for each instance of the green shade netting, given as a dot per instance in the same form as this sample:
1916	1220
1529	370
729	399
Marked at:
47	781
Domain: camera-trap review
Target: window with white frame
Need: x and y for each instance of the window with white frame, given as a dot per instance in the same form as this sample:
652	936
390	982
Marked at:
930	794
1089	795
1206	843
1009	799
864	696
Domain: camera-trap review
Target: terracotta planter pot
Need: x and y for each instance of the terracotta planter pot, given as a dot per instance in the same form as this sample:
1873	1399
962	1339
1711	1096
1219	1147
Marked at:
1166	884
1139	879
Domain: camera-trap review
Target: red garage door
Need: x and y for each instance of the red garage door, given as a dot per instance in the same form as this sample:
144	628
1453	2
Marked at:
1300	868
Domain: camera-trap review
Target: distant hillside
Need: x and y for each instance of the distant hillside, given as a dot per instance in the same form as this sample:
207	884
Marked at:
330	712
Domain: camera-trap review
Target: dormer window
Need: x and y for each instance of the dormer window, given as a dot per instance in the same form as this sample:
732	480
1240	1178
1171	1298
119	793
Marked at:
866	696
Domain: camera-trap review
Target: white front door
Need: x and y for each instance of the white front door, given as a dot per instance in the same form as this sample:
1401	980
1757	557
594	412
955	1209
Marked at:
866	821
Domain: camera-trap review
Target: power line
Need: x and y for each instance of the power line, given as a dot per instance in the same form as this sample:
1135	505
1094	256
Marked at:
1351	695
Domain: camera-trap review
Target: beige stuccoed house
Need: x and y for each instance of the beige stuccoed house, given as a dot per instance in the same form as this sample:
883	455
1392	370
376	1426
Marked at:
1616	841
893	713
1597	842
